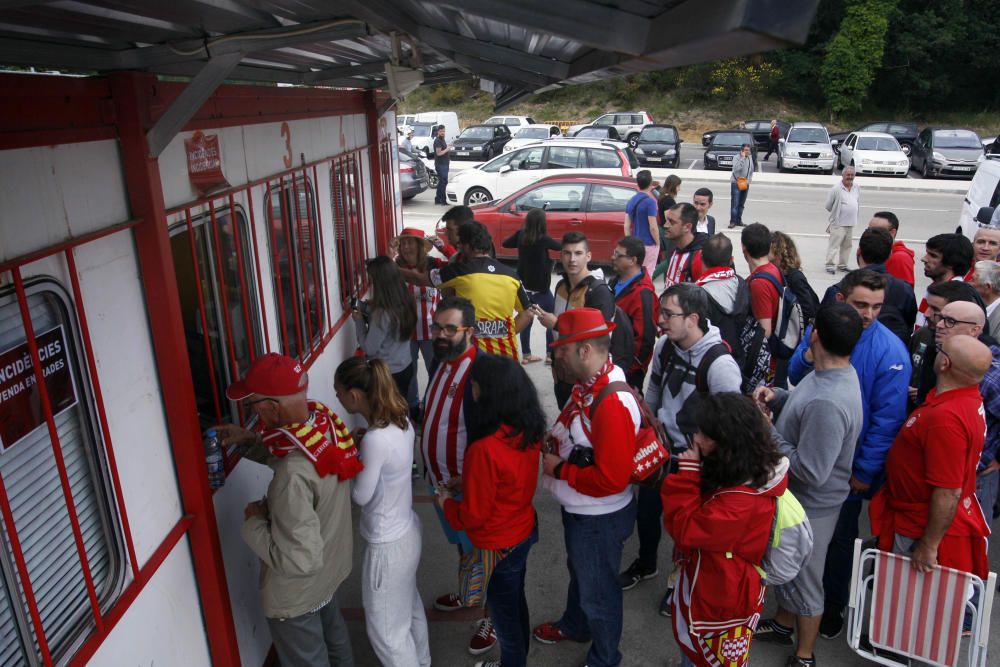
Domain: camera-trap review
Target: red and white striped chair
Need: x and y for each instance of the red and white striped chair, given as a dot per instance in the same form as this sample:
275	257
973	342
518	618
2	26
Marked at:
915	614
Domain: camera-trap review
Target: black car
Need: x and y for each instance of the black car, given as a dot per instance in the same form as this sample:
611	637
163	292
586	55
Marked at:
598	132
480	142
760	129
724	147
905	133
658	145
946	152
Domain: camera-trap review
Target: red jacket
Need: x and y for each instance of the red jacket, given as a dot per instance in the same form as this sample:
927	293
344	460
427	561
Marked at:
719	540
499	480
900	263
638	301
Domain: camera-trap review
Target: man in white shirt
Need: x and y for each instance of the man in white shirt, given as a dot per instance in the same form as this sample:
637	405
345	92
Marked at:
843	202
986	280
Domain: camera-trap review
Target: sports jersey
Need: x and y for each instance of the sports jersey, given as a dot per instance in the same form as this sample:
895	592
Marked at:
445	432
427	299
496	292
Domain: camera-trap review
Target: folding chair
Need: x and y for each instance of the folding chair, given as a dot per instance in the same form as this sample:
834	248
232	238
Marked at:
915	614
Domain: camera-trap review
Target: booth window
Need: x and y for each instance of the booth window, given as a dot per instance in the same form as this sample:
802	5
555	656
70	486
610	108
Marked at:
349	227
219	305
31	483
294	234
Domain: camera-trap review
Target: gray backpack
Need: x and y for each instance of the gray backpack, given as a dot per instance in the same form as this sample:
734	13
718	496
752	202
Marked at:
791	541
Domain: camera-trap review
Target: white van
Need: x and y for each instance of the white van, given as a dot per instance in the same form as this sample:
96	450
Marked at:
983	191
447	118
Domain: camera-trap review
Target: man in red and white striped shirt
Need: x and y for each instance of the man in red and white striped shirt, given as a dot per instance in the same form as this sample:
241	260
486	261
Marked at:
446	428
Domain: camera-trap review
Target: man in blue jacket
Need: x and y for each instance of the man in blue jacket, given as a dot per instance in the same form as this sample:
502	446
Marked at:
883	367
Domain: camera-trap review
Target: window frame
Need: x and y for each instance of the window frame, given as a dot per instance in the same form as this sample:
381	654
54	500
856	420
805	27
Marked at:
100	468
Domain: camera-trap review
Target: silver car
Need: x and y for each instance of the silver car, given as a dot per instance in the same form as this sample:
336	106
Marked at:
806	148
628	124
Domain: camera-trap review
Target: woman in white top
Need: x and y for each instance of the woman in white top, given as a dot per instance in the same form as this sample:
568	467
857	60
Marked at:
394	611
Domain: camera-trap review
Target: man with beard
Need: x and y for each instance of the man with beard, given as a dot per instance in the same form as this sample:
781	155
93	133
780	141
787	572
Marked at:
684	264
948	257
446	428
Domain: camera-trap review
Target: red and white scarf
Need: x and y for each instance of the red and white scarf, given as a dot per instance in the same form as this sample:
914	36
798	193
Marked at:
324	439
718	273
582	396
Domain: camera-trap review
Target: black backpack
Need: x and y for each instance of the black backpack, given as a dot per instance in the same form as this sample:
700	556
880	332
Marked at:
744	336
807	297
685	417
787	330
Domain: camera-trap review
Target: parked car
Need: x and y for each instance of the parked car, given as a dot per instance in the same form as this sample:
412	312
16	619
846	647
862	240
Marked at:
992	148
514	170
875	153
423	137
946	152
529	134
628	124
447	118
806	148
412	175
480	142
658	145
724	147
984	192
598	132
405	119
591	203
905	133
513	122
759	128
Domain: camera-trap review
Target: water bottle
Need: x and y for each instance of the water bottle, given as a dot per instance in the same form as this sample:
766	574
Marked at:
214	459
918	364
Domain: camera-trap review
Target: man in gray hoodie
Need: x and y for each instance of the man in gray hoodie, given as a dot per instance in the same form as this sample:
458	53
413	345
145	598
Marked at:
817	429
691	360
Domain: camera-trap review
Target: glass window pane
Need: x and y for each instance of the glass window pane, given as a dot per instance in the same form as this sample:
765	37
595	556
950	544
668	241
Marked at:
607	198
566	157
557	197
604	159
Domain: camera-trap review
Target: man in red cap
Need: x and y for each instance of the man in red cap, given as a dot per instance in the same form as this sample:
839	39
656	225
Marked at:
589	476
302	530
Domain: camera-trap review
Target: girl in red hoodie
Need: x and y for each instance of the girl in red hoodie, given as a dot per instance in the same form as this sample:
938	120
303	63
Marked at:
499	476
719	508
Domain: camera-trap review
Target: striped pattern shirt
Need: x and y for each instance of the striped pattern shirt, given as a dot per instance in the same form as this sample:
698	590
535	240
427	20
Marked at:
445	434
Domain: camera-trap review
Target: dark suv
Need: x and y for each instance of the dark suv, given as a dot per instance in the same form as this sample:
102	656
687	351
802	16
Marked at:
724	147
905	133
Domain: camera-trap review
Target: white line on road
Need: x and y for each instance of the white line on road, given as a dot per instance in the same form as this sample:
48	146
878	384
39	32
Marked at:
895	208
693	163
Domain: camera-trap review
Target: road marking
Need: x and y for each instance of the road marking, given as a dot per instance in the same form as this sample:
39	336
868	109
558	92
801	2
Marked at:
811	235
693	163
894	208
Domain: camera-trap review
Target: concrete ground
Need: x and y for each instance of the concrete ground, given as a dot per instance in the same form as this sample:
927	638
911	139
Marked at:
648	640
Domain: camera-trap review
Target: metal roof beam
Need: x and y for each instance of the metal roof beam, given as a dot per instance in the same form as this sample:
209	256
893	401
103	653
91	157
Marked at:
589	23
500	54
25	52
186	105
492	70
331	73
248	42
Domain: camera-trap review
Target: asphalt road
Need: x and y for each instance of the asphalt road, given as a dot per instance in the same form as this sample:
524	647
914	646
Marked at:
647	640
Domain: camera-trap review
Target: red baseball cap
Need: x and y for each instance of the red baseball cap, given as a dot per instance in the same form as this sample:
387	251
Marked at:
581	324
272	374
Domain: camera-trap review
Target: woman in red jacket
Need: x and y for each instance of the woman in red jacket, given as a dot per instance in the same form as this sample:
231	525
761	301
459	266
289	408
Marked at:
719	508
499	476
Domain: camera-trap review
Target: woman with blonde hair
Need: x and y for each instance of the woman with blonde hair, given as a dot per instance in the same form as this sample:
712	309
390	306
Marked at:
394	612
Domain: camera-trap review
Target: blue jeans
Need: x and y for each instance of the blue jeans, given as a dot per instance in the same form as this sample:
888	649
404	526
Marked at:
738	199
840	556
594	600
546	302
442	171
508	606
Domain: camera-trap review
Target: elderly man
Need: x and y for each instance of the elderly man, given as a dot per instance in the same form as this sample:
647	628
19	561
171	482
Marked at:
986	280
843	203
926	508
302	531
985	246
963	318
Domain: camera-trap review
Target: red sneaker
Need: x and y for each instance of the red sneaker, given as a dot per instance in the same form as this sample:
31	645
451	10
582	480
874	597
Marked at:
449	602
484	639
548	633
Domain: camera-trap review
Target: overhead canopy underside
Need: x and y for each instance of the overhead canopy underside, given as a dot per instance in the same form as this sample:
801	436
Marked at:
514	47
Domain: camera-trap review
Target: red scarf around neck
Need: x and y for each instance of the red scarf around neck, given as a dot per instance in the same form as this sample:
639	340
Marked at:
718	273
324	439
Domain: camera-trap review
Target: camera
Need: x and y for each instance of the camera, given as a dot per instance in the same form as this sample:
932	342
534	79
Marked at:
581	456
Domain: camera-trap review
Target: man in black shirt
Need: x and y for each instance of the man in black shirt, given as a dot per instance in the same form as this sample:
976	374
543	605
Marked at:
442	160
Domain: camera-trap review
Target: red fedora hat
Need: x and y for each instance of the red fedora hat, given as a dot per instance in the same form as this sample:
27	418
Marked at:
581	324
414	233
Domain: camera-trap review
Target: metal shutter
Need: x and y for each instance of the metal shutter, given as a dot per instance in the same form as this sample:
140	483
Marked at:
42	521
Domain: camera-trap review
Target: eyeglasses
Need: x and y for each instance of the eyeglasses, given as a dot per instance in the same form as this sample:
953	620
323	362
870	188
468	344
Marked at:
448	329
940	350
667	314
618	255
950	322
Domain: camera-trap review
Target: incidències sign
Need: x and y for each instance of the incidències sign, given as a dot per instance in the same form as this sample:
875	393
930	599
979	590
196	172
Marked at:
20	399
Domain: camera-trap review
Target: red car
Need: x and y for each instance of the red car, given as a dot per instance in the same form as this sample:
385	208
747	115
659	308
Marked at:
590	203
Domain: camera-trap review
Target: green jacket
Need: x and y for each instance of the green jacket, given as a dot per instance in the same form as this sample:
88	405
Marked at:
305	544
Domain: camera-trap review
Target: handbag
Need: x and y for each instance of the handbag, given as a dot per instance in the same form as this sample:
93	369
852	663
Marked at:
650	454
742	183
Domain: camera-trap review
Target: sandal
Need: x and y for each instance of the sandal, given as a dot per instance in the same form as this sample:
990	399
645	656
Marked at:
530	359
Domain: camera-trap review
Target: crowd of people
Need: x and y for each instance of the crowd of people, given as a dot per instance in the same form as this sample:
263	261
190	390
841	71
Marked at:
768	397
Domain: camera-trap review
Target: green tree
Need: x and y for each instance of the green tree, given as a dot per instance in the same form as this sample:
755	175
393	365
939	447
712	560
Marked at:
854	54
